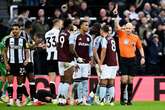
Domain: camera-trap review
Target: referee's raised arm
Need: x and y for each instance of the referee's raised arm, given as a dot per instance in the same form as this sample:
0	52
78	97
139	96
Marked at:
117	25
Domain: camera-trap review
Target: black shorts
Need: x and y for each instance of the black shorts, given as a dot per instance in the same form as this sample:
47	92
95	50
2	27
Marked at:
52	66
29	68
16	69
128	66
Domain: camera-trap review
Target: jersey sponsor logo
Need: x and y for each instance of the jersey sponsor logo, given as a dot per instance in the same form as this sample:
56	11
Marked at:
15	47
83	44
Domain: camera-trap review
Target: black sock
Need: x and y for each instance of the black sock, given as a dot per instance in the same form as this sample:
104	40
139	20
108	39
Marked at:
122	89
52	89
32	91
10	90
24	91
19	92
129	89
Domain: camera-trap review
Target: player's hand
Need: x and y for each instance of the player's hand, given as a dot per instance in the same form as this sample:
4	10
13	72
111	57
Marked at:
42	45
142	61
25	62
100	69
80	60
7	67
76	67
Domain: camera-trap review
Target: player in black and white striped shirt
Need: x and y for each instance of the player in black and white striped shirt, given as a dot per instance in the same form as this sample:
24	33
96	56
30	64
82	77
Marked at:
29	67
51	38
15	54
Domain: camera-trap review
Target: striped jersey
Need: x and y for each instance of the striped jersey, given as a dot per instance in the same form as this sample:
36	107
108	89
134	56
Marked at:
28	39
16	49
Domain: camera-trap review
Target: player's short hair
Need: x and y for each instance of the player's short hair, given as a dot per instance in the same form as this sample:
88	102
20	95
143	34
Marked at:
67	23
82	21
15	24
39	35
105	28
56	20
95	29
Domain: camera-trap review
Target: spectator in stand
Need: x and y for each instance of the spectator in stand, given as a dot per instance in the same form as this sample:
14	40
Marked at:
40	25
21	18
84	11
125	18
162	4
4	30
72	8
154	53
141	15
155	10
64	10
147	8
56	15
145	28
160	26
133	14
112	8
103	18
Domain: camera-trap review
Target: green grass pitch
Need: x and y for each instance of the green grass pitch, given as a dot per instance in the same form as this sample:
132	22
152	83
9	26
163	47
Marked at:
156	105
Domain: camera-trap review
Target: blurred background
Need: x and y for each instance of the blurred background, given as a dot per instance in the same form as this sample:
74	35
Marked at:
148	17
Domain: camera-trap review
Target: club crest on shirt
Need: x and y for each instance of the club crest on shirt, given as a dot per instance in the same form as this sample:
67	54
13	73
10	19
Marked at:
126	41
88	39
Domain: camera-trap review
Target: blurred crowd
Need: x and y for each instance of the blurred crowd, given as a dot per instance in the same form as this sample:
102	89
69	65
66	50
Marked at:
147	16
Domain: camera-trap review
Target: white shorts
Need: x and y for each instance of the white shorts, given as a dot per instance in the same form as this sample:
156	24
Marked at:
108	72
63	66
84	70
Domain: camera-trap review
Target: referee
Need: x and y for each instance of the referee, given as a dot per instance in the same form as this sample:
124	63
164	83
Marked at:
128	43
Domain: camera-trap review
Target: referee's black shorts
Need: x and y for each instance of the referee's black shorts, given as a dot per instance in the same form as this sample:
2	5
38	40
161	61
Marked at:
128	66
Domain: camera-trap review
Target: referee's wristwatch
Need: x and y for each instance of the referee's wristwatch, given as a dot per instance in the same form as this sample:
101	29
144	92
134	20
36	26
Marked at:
142	57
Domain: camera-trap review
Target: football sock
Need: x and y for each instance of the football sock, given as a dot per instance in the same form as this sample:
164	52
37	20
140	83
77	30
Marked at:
32	90
129	89
52	89
102	93
10	90
24	91
19	92
122	90
66	89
